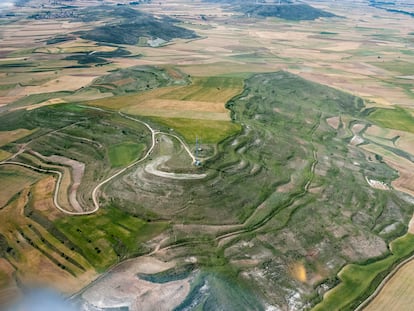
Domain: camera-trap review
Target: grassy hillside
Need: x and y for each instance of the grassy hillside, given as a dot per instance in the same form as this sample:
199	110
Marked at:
284	9
294	12
130	25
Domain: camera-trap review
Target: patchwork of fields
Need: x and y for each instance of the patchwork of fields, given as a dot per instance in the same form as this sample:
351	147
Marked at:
223	159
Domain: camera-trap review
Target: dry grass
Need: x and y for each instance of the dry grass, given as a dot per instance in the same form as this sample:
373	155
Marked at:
213	89
171	104
223	67
4	155
42	193
53	101
404	142
130	100
63	83
180	109
397	294
298	272
11	136
8	287
14	179
30	260
75	46
63	196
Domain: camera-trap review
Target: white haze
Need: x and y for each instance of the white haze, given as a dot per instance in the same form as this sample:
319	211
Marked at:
6	4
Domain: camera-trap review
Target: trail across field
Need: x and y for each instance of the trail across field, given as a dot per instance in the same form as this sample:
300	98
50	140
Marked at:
95	191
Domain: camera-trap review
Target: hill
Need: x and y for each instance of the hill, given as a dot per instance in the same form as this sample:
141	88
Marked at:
283	9
133	26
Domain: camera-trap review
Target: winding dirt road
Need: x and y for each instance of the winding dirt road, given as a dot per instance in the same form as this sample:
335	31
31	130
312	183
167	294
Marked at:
95	191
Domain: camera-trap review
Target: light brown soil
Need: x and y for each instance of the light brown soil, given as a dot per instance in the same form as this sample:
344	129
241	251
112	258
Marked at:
43	198
298	272
18	179
54	101
30	260
10	136
334	122
180	109
63	83
122	288
397	295
77	171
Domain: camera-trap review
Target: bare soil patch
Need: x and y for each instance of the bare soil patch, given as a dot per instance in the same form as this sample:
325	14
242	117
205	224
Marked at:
334	122
377	184
152	168
53	101
180	109
77	171
122	288
31	260
63	83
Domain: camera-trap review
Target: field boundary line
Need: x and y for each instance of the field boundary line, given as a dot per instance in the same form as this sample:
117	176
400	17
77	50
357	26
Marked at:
95	199
384	282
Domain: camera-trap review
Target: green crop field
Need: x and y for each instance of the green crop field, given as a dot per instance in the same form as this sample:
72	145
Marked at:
109	236
211	89
208	131
123	154
358	281
397	118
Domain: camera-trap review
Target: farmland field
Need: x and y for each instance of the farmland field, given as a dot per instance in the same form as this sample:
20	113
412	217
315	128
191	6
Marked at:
125	153
396	295
207	154
208	131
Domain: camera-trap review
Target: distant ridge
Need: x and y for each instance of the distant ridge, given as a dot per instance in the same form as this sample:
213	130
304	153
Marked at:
282	9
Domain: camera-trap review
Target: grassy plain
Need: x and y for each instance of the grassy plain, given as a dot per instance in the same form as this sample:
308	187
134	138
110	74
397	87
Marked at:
4	155
113	236
14	179
208	131
208	89
123	154
11	136
281	144
396	118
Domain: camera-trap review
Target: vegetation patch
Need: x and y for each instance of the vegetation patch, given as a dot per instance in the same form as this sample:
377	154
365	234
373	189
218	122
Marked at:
14	179
397	118
109	236
134	80
359	281
208	131
11	136
215	291
398	66
209	89
295	12
87	59
135	25
284	9
123	154
4	155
